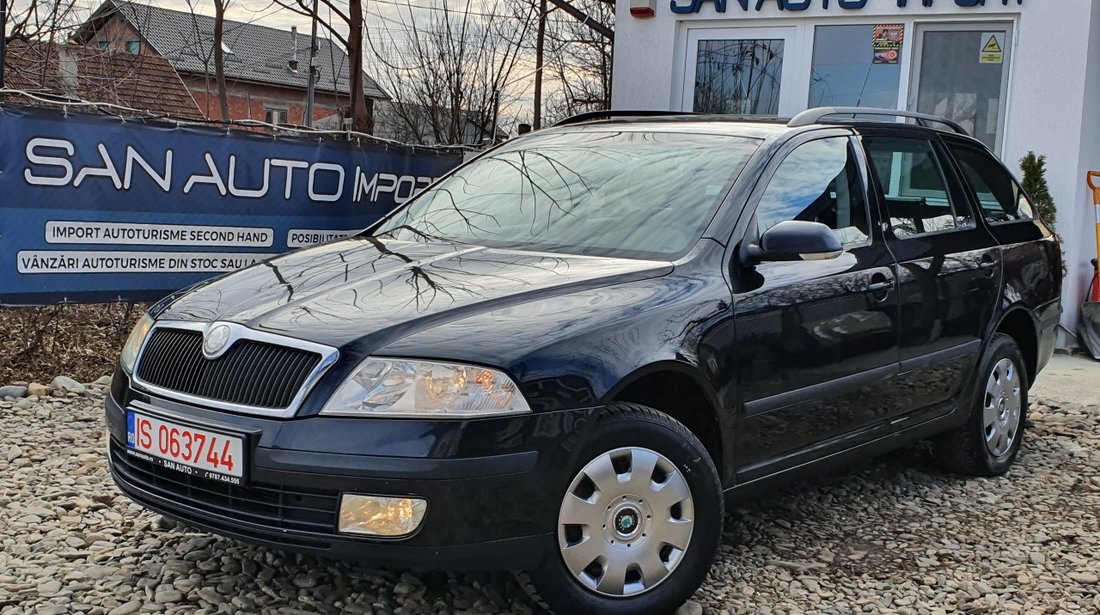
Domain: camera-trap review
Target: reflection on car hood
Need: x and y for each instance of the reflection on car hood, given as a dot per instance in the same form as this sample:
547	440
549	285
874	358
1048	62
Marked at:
340	292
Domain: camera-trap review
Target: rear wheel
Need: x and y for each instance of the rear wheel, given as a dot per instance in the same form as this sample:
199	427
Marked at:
987	445
639	520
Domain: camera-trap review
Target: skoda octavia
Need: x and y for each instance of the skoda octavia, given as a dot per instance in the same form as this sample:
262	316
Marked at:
564	356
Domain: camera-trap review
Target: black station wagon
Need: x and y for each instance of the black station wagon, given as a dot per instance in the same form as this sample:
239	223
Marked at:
562	357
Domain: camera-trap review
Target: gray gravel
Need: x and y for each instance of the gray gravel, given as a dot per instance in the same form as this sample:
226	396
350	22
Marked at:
894	536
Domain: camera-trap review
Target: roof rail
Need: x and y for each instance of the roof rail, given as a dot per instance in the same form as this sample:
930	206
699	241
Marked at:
818	115
610	113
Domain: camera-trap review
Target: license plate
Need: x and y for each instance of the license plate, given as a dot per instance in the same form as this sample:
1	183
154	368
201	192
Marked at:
191	450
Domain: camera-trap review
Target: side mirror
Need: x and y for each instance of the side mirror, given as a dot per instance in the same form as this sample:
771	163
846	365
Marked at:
794	240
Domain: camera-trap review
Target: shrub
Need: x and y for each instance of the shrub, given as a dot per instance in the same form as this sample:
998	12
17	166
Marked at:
1035	184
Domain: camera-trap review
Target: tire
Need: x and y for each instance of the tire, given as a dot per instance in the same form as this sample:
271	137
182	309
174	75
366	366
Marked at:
673	463
988	443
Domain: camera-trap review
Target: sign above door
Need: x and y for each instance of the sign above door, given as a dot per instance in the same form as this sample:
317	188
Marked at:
720	6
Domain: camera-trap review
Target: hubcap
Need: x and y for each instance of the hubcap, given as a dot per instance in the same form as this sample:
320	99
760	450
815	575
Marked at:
1001	413
625	522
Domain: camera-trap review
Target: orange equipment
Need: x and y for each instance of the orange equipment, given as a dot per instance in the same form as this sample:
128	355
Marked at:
1093	181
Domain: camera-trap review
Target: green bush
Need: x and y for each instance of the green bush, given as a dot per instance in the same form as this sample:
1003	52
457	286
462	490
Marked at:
1035	184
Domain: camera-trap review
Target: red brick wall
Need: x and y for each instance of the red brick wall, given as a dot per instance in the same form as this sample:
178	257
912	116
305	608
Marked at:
116	32
250	101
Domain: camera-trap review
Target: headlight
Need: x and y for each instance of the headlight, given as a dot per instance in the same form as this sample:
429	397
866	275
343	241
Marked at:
134	342
416	389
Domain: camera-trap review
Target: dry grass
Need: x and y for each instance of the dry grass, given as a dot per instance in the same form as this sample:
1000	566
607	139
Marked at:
80	341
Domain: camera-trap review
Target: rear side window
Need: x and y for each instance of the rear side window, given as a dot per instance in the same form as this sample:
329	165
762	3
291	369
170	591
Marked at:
993	188
818	182
913	186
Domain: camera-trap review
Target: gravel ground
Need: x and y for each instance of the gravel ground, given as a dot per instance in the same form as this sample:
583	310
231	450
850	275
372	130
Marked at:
894	536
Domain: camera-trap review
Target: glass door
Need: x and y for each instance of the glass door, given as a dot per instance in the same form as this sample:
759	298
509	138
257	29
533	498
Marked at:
961	72
738	71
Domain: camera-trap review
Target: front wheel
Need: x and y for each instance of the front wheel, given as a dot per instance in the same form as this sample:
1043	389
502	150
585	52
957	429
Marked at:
639	521
988	443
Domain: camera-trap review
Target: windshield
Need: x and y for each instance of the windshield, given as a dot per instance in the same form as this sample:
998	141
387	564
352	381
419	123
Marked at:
632	194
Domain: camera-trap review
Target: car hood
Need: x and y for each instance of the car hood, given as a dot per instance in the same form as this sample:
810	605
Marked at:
379	290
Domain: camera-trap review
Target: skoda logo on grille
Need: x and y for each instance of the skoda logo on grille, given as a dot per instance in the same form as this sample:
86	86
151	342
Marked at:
215	341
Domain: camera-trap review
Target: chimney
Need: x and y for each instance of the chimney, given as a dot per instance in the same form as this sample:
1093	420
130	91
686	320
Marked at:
68	72
293	64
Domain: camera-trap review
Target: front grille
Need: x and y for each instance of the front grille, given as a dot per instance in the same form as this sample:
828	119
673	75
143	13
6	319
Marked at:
250	373
271	506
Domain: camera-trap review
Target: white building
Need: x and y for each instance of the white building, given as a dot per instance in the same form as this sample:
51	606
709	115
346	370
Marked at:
1018	74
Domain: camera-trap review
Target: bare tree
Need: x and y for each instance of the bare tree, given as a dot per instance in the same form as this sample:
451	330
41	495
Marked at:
572	49
219	56
346	27
39	21
578	59
452	70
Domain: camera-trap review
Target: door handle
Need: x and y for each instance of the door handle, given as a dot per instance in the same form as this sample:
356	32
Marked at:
988	266
878	287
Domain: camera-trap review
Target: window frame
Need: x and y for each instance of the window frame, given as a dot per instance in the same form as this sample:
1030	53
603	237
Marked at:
274	112
811	44
957	198
789	102
751	232
972	193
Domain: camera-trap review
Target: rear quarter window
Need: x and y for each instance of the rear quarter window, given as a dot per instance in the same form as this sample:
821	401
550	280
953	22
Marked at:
999	197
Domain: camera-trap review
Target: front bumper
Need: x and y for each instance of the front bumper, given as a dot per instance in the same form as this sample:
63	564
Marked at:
489	484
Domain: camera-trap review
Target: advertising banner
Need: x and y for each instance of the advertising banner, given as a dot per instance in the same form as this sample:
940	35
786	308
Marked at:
96	208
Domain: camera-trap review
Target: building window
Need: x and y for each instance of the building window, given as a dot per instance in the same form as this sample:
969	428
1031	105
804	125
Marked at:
846	73
103	45
133	47
959	83
279	117
741	76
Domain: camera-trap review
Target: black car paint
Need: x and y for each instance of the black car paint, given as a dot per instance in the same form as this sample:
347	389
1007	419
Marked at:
576	332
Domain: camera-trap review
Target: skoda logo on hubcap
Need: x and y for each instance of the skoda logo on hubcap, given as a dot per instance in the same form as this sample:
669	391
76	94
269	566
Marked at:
626	521
215	341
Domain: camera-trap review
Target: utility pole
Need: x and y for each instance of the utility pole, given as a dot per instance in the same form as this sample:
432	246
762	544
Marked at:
311	77
585	19
496	112
539	44
3	39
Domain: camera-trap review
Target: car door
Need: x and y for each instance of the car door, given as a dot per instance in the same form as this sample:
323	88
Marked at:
816	340
948	268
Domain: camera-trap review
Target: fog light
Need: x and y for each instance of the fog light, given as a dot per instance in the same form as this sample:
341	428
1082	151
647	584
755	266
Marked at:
375	515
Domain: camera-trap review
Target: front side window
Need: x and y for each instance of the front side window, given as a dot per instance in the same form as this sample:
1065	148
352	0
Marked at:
913	186
629	193
848	72
996	192
818	182
739	76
